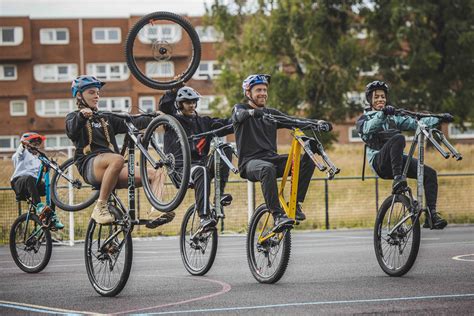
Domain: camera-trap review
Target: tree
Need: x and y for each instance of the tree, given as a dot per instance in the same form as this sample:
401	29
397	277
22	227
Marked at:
425	51
307	46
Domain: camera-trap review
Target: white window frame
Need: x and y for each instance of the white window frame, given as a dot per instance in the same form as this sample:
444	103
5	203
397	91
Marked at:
146	36
14	142
40	71
465	135
45	40
351	138
57	138
22	113
155	65
2	75
208	34
210	74
17	36
107	39
200	107
108	75
109	102
41	110
147	98
374	69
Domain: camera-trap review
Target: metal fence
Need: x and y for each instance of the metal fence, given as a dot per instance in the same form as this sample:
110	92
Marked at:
345	202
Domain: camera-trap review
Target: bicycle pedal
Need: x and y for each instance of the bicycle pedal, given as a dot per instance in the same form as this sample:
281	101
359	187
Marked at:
297	222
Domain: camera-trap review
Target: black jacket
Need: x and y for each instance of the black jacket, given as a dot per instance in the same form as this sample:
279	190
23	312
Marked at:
76	130
192	125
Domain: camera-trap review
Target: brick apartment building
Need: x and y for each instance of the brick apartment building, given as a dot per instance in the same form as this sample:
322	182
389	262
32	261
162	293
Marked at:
40	57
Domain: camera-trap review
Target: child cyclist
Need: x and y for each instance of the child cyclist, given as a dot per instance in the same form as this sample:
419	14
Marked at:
27	167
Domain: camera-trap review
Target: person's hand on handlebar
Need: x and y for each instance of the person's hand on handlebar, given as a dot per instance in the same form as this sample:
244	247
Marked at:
389	110
324	126
447	118
86	113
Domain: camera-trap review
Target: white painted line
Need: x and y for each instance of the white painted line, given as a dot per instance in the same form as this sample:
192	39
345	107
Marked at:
43	309
461	257
376	300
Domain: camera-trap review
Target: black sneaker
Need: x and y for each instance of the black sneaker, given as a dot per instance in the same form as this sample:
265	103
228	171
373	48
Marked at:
438	221
207	222
399	183
282	222
299	216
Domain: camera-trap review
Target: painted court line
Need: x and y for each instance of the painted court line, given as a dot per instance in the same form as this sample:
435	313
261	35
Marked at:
42	309
461	257
376	300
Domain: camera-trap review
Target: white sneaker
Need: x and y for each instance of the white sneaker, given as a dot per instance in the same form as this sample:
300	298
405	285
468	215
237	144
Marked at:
101	214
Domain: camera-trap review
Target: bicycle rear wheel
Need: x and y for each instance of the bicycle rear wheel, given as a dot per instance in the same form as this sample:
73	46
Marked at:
161	45
198	250
396	236
267	259
167	145
68	191
30	243
108	254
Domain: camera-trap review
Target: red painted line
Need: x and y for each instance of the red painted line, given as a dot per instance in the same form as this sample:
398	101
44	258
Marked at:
225	288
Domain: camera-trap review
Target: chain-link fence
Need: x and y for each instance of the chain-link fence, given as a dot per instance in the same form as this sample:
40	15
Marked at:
345	202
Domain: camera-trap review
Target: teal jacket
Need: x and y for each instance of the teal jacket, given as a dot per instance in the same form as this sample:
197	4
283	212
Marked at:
373	122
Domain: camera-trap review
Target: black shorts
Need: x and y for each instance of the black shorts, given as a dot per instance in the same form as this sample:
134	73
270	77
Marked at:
89	173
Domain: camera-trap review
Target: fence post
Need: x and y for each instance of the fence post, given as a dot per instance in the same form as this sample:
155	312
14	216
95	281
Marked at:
71	200
326	199
250	199
376	194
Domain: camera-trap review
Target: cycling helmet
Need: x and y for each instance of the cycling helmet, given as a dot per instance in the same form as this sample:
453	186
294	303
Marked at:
186	94
81	83
32	136
253	80
375	85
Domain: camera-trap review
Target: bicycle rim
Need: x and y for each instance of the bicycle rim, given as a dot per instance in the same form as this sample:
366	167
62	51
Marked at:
30	244
166	143
198	250
108	259
73	196
160	46
269	259
396	236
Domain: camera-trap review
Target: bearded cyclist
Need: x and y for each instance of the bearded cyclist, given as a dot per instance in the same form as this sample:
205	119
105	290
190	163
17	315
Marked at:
257	149
380	129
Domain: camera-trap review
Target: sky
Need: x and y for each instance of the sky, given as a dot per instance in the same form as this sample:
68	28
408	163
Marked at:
98	8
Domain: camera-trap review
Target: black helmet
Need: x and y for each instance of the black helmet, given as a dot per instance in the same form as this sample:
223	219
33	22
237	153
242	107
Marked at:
375	85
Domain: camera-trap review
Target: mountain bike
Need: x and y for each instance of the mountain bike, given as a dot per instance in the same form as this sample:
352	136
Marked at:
198	246
30	236
108	248
397	228
268	252
160	45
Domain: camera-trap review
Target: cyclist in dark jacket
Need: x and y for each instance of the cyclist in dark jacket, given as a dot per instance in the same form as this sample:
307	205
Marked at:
182	105
257	149
381	130
97	154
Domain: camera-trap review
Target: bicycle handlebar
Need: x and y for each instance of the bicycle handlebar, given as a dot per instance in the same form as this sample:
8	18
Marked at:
211	132
319	125
417	115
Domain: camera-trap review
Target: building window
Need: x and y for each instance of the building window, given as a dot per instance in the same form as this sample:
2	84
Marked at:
162	69
370	71
207	70
106	35
160	32
147	104
55	72
8	72
455	131
57	142
11	35
208	34
356	98
9	143
205	102
109	71
54	107
18	108
54	36
114	104
354	135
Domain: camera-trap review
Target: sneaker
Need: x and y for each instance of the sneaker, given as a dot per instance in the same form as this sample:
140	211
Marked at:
56	221
101	214
399	183
438	221
299	216
207	222
281	222
164	218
